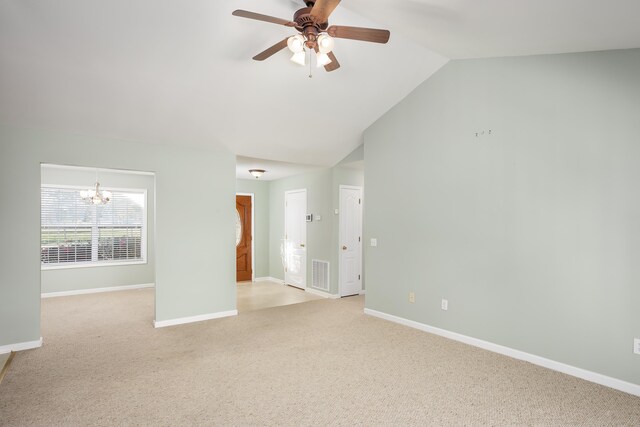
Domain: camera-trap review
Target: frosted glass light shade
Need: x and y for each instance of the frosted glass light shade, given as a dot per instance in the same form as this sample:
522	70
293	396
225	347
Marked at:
323	59
299	58
257	173
325	43
296	43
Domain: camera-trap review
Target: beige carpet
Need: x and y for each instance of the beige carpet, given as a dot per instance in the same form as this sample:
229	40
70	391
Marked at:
5	362
317	363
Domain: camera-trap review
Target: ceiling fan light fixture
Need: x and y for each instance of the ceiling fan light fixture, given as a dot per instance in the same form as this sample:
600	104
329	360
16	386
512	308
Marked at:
299	58
322	59
325	43
296	43
257	172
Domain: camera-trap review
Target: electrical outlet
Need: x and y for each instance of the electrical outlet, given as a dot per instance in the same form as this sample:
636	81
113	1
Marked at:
444	305
636	345
412	297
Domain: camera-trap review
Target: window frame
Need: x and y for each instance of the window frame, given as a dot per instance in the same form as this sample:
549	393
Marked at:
91	264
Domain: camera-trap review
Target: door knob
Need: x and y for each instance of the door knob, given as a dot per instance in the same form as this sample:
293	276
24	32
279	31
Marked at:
344	248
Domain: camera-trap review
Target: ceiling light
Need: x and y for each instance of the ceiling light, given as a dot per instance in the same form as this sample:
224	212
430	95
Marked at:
325	43
296	43
299	58
95	196
257	172
323	59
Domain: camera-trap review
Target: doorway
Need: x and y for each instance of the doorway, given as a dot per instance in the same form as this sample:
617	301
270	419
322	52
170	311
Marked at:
350	259
244	237
295	238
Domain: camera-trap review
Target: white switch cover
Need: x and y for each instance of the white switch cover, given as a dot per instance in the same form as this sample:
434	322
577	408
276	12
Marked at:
636	345
412	297
335	211
445	304
318	218
374	242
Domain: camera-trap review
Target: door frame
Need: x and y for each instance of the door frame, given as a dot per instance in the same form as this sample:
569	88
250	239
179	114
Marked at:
306	252
349	187
253	234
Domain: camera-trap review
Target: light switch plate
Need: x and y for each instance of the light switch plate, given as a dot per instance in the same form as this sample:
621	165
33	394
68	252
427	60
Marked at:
374	242
318	218
636	345
445	304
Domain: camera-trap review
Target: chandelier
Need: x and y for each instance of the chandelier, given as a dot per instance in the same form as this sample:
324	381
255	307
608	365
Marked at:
95	196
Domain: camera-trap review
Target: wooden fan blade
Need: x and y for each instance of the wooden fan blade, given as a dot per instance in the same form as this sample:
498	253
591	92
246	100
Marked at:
322	9
265	18
359	33
271	51
334	64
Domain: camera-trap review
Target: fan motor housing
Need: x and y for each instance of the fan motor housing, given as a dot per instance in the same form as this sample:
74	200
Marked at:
304	22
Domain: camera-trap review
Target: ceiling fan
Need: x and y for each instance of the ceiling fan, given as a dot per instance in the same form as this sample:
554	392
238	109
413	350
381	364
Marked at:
314	33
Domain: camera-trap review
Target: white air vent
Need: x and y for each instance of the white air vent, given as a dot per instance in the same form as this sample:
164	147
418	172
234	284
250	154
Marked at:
320	274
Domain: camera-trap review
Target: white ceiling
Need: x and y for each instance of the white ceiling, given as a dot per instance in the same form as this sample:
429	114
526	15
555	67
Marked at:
494	28
180	72
274	169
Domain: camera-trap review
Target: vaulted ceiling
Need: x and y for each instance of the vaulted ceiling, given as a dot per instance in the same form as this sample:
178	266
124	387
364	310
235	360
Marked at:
180	72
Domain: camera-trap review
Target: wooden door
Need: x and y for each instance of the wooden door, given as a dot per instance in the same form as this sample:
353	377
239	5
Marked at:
295	228
243	238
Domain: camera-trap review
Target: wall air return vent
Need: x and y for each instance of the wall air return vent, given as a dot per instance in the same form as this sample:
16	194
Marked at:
320	275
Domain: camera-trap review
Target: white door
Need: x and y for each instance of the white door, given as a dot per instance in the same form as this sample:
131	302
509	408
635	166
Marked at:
295	238
350	240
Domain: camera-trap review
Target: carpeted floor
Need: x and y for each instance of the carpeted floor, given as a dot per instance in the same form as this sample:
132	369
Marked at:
5	362
318	363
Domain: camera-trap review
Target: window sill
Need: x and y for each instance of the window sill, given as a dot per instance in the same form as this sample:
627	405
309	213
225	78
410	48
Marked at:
90	265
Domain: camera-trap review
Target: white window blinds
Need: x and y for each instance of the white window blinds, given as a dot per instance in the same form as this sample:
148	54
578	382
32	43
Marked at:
73	231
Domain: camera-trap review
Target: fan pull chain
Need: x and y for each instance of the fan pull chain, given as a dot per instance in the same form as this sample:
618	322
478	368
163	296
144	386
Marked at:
310	65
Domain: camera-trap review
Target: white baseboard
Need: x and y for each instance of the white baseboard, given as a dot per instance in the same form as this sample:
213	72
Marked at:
95	290
20	346
268	279
594	377
322	294
192	319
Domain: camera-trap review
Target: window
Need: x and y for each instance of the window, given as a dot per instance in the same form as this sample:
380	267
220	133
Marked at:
75	233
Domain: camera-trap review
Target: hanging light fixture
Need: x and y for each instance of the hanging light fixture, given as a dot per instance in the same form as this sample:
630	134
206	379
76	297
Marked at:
296	43
299	58
322	59
95	196
325	43
257	172
296	46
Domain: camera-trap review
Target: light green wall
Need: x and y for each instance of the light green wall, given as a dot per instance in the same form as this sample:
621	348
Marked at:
195	257
318	186
323	189
71	279
260	190
355	156
531	232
